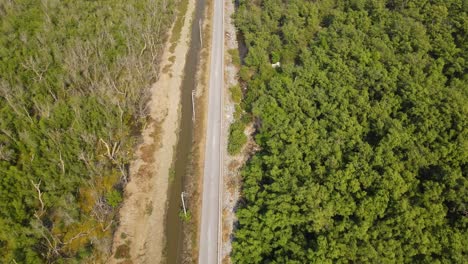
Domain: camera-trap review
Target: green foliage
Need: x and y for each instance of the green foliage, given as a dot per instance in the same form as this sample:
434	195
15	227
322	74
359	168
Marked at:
72	96
236	94
185	217
238	112
114	198
172	173
237	138
363	132
245	73
235	57
178	24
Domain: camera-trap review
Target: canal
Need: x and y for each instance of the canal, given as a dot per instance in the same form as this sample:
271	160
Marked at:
174	234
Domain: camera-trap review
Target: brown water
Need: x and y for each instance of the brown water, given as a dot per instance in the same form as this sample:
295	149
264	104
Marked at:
174	234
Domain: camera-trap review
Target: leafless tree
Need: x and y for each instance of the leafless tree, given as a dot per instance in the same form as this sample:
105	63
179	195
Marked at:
6	93
34	64
111	152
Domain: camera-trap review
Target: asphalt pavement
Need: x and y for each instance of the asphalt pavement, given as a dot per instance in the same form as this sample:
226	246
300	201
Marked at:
210	235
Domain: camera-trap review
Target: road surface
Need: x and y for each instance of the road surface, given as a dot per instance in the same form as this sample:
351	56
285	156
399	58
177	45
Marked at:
210	235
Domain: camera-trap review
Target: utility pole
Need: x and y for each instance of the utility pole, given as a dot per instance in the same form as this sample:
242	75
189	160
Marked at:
183	203
193	105
200	30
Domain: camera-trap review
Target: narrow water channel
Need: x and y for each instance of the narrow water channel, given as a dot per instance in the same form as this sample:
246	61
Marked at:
174	234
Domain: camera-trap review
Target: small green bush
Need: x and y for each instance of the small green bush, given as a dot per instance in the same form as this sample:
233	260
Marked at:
245	73
237	138
236	94
185	217
235	57
114	198
237	112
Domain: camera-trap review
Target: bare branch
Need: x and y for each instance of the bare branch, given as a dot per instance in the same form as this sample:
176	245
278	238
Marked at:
105	228
115	149
107	147
123	171
39	197
80	234
143	50
32	64
53	246
62	164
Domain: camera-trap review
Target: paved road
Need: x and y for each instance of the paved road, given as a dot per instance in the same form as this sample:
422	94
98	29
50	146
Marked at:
210	236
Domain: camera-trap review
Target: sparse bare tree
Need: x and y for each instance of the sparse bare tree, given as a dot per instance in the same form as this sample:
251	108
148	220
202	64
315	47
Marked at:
39	197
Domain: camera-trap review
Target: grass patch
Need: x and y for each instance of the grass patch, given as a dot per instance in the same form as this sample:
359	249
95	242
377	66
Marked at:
166	68
172	174
149	208
185	217
235	57
236	94
179	23
122	252
238	112
172	59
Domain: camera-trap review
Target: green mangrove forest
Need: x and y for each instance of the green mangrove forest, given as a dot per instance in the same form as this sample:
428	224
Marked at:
362	131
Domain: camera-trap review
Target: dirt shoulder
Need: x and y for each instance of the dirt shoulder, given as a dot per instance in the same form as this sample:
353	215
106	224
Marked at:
231	187
140	237
232	181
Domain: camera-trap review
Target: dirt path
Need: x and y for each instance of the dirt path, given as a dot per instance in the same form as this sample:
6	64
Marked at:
140	235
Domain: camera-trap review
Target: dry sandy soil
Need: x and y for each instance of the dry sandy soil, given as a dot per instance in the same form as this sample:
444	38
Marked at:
140	237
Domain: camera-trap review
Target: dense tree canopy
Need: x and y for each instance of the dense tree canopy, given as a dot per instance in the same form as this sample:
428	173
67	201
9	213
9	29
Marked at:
363	132
73	79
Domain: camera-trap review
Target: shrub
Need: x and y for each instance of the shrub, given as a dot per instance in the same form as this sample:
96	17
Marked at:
235	57
237	138
236	94
114	198
237	112
122	251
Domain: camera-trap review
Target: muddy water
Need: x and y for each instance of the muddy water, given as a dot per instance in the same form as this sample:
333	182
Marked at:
174	234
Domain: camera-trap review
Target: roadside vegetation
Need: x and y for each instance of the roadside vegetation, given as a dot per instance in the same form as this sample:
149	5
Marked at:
362	129
74	80
235	57
237	137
